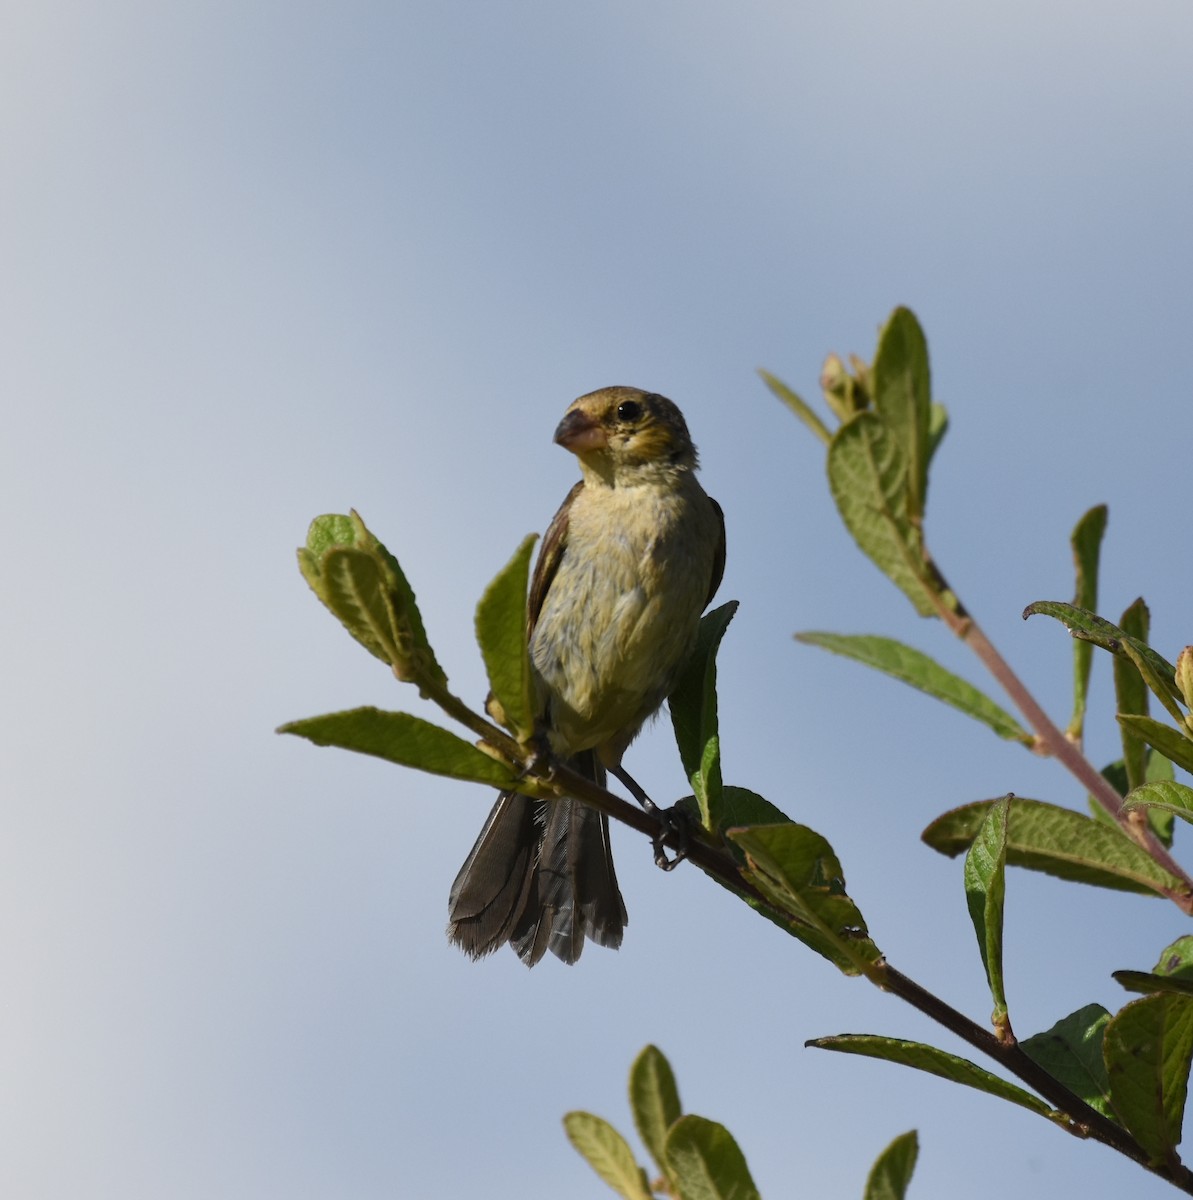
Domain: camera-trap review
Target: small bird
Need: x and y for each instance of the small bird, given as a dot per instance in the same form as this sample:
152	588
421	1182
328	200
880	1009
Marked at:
628	564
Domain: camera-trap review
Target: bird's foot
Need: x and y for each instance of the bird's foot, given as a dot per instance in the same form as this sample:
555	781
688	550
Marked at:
673	823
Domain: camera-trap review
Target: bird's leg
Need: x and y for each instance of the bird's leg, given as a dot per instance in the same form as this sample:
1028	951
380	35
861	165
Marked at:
635	789
671	821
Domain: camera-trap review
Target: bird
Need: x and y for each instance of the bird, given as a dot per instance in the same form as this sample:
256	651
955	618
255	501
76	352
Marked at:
626	568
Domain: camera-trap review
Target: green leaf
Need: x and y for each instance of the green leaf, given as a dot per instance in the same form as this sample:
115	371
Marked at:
1162	686
796	869
934	1062
403	739
1164	796
1168	741
1184	676
1158	672
707	784
331	529
938	426
1159	770
1148	983
608	1153
985	893
1131	693
903	398
1071	1051
1087	549
693	705
868	475
707	1163
1057	841
1173	973
654	1100
1087	626
740	806
358	579
353	588
1176	960
892	1170
1148	1047
501	633
923	673
797	405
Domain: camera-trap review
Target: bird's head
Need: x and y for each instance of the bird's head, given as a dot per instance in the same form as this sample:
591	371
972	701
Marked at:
619	431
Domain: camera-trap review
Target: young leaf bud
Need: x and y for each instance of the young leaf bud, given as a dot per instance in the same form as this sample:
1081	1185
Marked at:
838	387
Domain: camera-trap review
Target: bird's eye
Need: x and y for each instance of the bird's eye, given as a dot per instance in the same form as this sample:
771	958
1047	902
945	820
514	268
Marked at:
629	410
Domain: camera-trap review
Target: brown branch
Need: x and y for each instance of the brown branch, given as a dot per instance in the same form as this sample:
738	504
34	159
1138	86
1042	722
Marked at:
1085	1121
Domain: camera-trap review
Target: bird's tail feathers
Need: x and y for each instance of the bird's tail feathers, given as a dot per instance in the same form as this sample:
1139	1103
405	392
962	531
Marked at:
492	887
541	877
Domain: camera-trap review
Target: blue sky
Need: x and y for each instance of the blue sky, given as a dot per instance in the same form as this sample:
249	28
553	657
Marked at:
263	261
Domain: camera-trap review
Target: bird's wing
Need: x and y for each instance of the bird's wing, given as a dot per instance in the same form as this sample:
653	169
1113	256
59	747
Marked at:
718	562
550	555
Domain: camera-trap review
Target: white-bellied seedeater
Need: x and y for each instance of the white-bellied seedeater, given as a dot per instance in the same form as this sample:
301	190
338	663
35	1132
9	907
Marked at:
630	561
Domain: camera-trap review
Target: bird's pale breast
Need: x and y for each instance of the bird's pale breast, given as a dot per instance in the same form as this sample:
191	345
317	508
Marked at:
621	613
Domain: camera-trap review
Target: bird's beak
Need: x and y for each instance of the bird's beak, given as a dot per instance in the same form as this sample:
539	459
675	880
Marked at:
579	433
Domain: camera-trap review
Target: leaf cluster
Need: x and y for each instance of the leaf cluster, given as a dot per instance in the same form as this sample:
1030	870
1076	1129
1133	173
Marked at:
1130	1069
695	1158
362	584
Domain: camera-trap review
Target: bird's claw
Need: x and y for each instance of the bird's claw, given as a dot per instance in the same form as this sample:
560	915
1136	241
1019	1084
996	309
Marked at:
674	823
